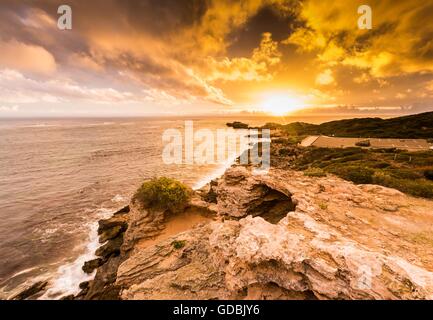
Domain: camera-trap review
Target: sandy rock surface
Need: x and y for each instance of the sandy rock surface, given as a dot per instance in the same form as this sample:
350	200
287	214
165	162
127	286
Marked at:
287	236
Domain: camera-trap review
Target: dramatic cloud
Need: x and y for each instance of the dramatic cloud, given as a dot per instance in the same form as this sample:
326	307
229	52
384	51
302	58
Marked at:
20	56
400	41
325	77
256	68
222	53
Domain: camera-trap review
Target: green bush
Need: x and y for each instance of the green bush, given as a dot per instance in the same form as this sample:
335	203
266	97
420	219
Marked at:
358	175
428	174
323	206
284	152
288	140
163	193
314	172
409	172
400	173
353	157
178	244
417	188
363	143
380	165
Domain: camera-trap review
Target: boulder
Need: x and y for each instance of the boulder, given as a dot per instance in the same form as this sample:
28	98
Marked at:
103	286
90	266
144	223
32	290
111	233
119	220
84	285
112	247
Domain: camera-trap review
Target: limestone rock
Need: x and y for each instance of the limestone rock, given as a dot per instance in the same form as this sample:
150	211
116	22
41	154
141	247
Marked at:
144	223
102	287
240	194
164	272
31	290
90	266
332	240
112	247
119	220
111	233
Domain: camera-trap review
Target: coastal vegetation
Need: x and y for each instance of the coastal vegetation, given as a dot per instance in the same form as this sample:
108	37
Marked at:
409	172
164	194
418	126
178	244
314	172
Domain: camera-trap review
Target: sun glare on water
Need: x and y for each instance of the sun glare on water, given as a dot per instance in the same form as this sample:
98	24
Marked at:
281	104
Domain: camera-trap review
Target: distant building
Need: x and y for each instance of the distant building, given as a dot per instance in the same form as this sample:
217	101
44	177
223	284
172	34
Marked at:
377	143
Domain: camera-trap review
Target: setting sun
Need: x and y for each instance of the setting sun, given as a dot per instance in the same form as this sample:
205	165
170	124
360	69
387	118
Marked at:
280	104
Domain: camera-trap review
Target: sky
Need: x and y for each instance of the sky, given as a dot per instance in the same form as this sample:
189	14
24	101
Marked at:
166	57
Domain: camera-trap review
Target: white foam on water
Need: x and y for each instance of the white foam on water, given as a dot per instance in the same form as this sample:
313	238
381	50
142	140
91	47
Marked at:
227	164
68	277
22	272
221	169
215	174
118	198
39	125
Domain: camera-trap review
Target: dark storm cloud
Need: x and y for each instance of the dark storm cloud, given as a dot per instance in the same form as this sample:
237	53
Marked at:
161	16
269	19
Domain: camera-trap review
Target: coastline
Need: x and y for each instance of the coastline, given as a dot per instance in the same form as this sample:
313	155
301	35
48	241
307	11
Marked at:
68	276
268	202
66	282
269	237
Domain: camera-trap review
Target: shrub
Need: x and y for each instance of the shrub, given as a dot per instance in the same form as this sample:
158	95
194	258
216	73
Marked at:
358	175
380	165
163	193
314	172
386	150
178	244
417	188
323	206
284	152
353	157
363	143
428	174
279	140
399	173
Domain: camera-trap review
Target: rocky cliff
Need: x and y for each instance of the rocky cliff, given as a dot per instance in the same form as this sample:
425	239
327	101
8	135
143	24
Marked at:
277	236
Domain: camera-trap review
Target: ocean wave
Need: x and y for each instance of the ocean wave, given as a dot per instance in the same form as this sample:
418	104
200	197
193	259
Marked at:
39	125
118	198
68	277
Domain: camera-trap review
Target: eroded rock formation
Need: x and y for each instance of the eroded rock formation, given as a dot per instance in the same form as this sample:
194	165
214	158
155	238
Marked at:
280	236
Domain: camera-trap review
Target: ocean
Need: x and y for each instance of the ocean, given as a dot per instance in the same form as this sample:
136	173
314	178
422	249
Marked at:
58	177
